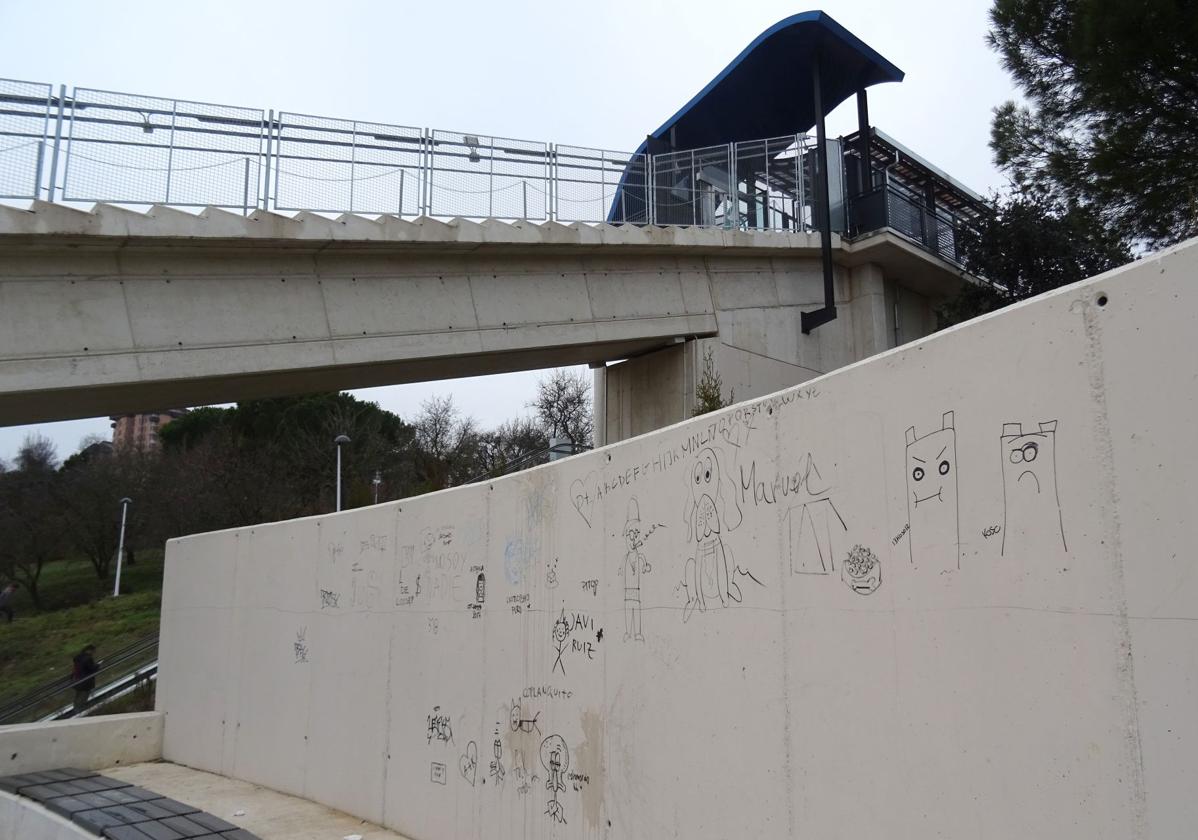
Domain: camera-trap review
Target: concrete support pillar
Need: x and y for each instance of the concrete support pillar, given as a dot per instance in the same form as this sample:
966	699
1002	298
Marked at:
599	405
647	392
872	330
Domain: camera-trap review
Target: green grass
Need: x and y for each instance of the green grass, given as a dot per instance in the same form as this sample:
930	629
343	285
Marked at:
78	609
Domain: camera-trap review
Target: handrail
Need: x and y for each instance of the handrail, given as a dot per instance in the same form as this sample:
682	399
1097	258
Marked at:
19	706
131	149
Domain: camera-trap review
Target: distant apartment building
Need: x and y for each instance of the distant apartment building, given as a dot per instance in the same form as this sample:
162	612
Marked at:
140	431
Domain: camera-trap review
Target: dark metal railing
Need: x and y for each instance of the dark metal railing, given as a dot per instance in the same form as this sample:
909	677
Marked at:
55	697
890	207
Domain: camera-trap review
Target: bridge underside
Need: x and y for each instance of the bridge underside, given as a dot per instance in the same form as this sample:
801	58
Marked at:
68	402
114	311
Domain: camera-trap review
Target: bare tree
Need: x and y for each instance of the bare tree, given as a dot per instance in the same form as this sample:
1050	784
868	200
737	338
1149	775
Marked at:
447	445
513	445
563	406
88	441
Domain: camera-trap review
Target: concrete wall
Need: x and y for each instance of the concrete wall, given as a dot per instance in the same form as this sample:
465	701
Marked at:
947	592
89	743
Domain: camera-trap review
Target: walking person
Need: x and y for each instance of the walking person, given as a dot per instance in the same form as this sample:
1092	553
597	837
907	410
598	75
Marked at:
84	675
6	595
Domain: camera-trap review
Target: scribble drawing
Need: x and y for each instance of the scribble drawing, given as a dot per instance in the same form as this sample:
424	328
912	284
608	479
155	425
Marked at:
515	560
1031	502
520	723
480	588
439	727
631	569
711	574
524	779
817	531
561	634
497	771
555	758
861	570
328	598
932	496
468	763
436	773
551	574
301	645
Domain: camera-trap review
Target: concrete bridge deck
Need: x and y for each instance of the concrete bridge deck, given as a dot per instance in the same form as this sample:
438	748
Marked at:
115	310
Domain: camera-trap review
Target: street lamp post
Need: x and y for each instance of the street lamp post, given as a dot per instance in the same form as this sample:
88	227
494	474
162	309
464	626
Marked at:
120	545
378	479
339	440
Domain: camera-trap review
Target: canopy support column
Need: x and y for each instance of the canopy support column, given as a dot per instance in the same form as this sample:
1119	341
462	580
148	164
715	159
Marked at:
865	181
810	320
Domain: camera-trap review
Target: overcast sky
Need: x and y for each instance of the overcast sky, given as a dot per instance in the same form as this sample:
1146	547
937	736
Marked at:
590	74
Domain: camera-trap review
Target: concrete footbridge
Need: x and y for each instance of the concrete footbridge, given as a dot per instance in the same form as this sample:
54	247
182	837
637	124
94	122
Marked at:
739	232
114	310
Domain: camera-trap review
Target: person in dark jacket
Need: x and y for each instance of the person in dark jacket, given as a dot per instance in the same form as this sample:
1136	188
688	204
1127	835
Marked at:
84	674
6	595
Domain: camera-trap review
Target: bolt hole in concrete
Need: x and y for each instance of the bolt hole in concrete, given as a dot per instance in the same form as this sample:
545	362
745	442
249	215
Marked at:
1102	299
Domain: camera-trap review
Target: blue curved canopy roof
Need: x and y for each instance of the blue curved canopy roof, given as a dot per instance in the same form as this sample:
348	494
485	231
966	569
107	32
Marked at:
766	91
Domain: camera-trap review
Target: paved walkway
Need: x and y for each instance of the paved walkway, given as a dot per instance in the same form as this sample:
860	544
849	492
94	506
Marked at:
269	814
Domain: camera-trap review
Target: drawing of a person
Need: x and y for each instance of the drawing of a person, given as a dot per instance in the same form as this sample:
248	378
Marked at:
497	771
633	567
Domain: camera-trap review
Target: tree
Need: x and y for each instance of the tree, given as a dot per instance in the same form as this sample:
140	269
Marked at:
513	445
447	445
90	497
563	406
1025	245
37	454
1112	113
270	459
30	516
709	391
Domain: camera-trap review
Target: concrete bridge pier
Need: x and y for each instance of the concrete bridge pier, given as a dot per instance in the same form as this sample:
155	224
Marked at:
760	347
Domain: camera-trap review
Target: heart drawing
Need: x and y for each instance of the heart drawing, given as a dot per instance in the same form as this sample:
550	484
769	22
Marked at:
468	763
581	498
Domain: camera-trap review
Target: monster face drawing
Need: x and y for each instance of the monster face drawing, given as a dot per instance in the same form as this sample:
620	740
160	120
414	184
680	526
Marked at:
1031	506
932	497
710	574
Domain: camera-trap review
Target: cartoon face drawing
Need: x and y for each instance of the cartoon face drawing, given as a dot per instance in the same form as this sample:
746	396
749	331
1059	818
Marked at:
561	629
931	465
710	574
705	489
1031	506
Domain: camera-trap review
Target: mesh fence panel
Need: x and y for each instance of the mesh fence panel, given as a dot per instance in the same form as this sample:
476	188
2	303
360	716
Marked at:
346	166
146	150
477	176
692	187
24	120
593	184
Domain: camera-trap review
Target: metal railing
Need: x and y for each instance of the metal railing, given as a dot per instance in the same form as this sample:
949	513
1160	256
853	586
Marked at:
103	146
117	672
891	206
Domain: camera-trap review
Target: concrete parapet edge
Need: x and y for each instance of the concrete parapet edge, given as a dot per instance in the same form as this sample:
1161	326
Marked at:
90	743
